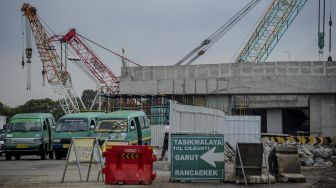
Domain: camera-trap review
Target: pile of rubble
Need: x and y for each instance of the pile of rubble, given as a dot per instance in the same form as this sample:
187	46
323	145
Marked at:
310	155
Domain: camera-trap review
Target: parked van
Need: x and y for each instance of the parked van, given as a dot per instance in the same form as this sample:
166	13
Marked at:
29	134
73	125
124	125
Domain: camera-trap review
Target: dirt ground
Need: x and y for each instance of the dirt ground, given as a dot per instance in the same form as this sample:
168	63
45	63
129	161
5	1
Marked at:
30	171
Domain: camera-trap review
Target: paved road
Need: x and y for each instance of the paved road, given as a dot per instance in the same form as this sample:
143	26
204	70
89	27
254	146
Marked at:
30	171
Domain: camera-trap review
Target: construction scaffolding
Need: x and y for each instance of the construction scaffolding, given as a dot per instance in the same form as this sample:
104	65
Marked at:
156	107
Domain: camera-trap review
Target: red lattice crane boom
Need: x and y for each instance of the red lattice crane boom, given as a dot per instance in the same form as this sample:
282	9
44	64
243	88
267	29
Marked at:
96	67
53	68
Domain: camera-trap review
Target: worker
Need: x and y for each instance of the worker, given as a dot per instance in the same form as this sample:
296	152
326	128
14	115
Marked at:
165	142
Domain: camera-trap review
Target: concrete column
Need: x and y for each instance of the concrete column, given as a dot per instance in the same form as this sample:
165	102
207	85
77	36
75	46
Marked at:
274	121
322	115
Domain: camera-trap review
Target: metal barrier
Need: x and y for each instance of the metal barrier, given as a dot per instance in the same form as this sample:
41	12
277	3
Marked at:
251	155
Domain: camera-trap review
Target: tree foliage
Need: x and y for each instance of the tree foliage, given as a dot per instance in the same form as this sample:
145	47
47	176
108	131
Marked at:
45	105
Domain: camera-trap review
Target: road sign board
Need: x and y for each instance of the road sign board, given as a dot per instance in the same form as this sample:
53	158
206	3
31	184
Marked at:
197	156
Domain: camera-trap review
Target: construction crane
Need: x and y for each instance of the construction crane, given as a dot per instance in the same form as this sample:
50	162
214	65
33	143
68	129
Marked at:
91	63
53	68
272	26
278	17
210	41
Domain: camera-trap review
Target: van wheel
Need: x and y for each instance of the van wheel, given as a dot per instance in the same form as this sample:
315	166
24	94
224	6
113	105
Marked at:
17	157
51	154
8	156
58	155
43	154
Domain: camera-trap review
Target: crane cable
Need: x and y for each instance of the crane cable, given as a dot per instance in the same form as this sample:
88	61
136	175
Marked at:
207	43
122	57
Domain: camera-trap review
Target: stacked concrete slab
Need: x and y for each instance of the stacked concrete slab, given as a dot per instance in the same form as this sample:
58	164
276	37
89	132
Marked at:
270	85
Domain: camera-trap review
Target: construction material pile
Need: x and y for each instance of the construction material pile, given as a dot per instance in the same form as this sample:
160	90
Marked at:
310	155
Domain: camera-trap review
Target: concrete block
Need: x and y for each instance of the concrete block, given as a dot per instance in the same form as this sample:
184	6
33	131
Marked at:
202	72
318	63
139	87
305	63
201	86
297	178
270	64
181	72
138	74
179	86
225	70
190	86
247	70
123	72
270	71
211	86
214	71
159	73
258	71
282	63
263	179
223	85
170	72
148	73
293	70
330	64
165	86
318	71
229	172
305	70
331	71
281	71
235	70
191	72
293	63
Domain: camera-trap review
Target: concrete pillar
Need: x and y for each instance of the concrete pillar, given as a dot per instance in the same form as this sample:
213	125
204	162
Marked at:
274	121
322	115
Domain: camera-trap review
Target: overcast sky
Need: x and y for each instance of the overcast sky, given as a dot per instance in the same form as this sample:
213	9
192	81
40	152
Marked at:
152	32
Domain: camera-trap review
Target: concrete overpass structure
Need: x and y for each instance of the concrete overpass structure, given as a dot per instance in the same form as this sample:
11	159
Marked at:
290	96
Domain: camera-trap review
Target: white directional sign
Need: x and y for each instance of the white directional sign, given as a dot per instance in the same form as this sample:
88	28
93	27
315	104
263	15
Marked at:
210	157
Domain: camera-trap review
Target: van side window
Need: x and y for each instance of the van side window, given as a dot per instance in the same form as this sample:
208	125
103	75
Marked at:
132	125
142	122
50	122
137	121
146	121
45	125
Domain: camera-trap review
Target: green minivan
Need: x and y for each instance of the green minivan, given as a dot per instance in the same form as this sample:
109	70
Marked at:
70	126
29	134
125	125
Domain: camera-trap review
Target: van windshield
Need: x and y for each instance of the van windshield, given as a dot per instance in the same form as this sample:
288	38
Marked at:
72	124
112	125
25	126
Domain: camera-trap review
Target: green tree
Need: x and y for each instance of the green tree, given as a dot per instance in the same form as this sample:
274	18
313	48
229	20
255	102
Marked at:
45	105
5	110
